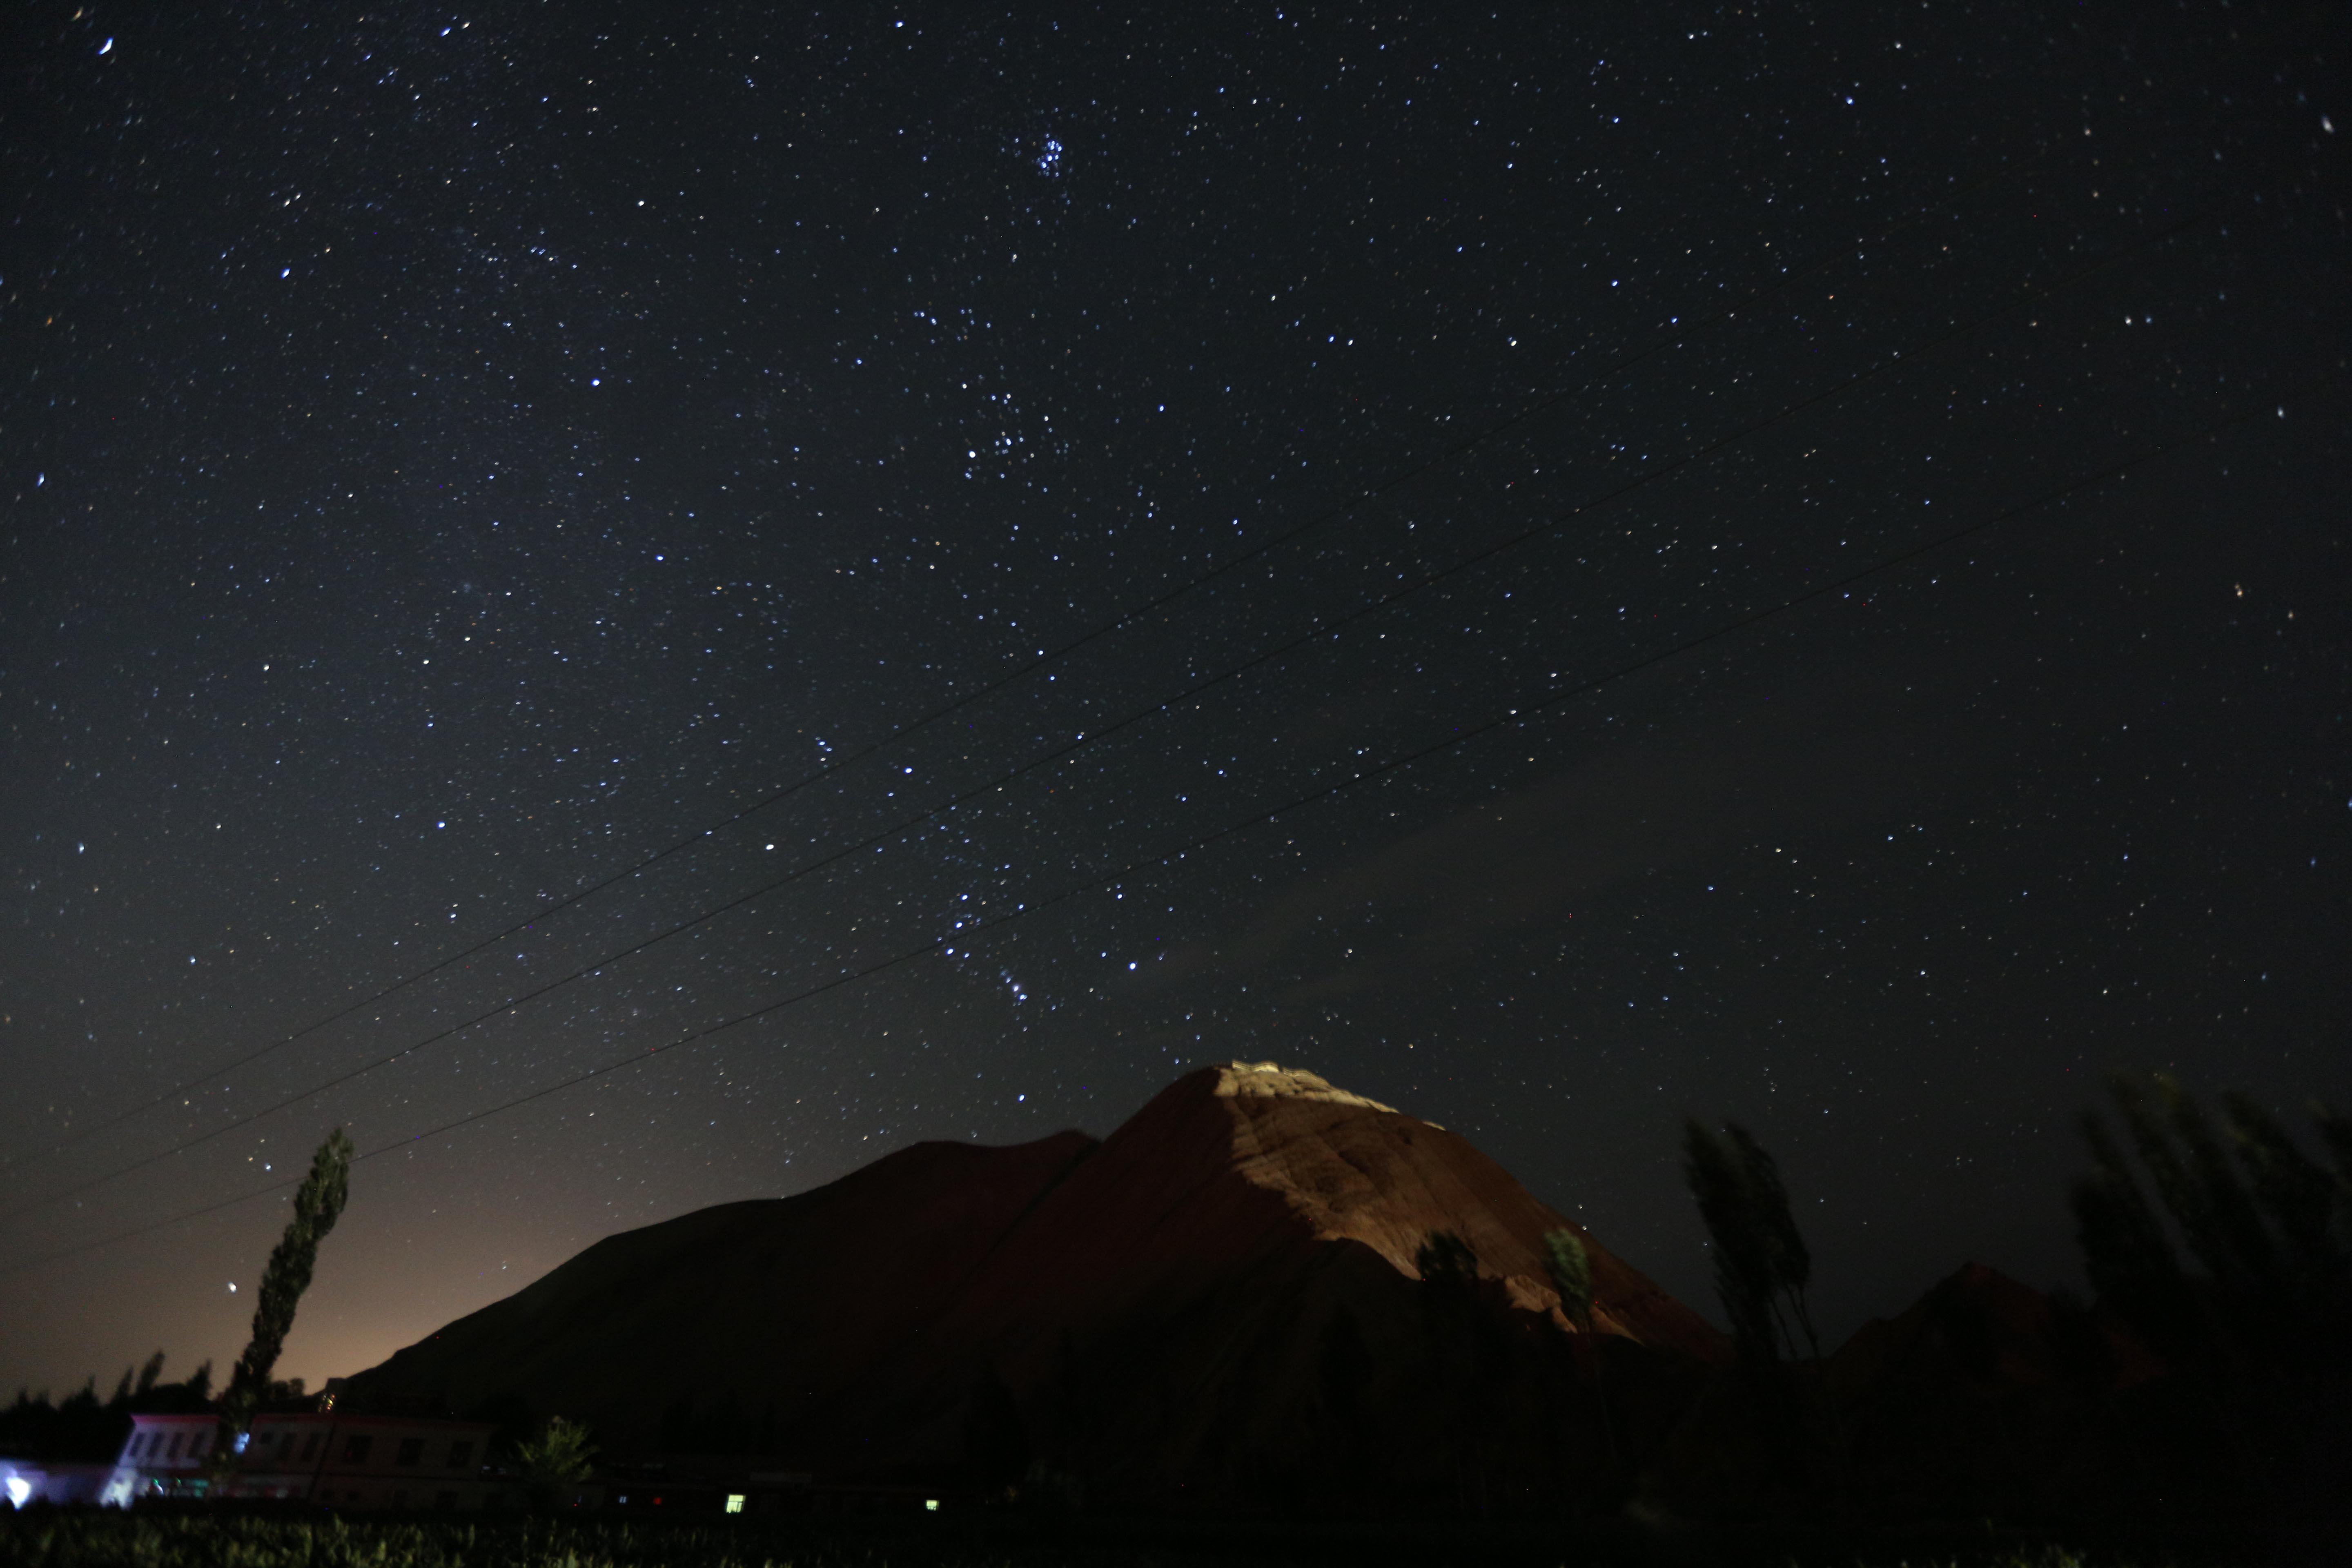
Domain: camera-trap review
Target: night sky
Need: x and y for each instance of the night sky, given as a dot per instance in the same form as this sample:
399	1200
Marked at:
1884	465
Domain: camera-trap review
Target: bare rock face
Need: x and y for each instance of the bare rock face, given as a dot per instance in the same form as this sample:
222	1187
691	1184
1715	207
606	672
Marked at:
1216	1304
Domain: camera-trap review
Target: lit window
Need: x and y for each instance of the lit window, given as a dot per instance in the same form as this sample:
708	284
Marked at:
734	1502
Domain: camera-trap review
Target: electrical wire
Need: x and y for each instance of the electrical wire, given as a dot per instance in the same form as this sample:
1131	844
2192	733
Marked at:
1314	633
1125	619
1511	717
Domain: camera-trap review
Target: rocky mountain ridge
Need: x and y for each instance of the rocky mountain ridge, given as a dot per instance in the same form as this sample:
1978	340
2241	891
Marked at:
1222	1293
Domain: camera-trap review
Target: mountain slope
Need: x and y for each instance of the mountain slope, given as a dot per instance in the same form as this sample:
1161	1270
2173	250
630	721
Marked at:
1218	1296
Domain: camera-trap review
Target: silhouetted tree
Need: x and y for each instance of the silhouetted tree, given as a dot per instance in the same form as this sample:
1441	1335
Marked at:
2078	1338
554	1459
512	1415
150	1372
996	1438
318	1204
1761	1270
2239	1272
677	1425
1461	1350
79	1427
722	1428
693	1426
1570	1268
1761	1265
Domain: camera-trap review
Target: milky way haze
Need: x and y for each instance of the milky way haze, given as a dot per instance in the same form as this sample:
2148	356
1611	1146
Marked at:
453	455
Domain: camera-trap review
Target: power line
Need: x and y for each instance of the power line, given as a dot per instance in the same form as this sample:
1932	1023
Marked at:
1315	632
1124	620
1511	717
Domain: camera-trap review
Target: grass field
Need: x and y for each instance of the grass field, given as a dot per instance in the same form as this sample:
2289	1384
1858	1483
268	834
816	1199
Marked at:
106	1539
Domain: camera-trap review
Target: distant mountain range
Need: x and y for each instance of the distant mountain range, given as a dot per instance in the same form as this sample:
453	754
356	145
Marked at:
1220	1306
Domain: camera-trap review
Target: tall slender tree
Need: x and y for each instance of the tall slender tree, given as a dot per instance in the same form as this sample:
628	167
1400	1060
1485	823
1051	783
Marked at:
1449	1304
1762	1269
1748	1270
1570	1268
2238	1271
318	1204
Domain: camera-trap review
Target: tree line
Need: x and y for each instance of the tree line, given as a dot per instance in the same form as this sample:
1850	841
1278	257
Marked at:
2219	1244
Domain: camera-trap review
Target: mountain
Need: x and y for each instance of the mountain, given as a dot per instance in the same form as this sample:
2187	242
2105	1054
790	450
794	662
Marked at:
1218	1303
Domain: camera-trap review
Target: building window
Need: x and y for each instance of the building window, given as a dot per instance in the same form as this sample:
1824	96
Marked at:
355	1451
460	1455
174	1451
311	1446
286	1446
197	1442
411	1450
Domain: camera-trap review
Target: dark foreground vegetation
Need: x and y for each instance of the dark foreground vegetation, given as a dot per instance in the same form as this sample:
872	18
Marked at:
217	1538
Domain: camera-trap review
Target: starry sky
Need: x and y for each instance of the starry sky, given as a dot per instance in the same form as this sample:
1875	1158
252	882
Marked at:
1564	568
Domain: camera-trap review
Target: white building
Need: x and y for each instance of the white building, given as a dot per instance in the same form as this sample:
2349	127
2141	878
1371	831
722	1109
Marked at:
165	1456
370	1462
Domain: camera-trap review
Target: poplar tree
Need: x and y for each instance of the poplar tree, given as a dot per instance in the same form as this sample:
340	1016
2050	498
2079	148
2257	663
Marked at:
1449	1304
2230	1250
318	1204
1761	1264
1570	1268
1762	1268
